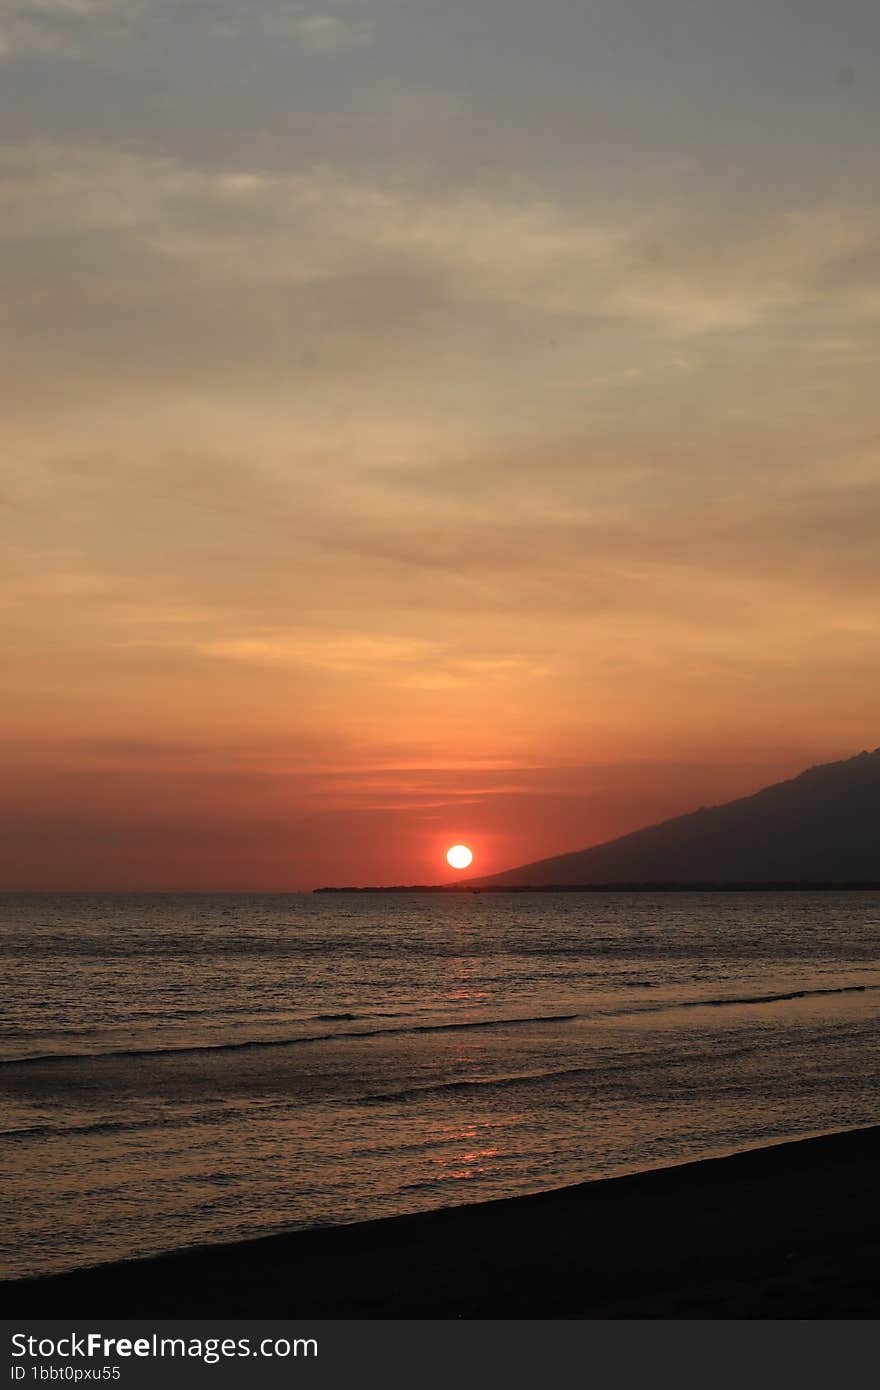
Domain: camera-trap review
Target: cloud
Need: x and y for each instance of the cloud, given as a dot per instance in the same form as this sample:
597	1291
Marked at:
69	29
355	652
473	439
60	28
329	33
417	250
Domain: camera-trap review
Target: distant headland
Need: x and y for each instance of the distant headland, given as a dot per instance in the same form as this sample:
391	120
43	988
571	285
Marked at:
872	885
819	831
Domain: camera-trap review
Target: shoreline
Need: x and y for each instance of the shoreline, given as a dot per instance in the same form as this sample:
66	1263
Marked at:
789	1230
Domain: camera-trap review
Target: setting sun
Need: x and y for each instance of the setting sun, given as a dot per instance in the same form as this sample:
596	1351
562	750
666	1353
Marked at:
459	857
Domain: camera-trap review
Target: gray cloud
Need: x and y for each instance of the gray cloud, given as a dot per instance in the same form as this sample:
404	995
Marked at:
62	29
78	29
165	269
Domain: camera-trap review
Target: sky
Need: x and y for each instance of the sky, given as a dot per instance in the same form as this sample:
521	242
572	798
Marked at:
427	422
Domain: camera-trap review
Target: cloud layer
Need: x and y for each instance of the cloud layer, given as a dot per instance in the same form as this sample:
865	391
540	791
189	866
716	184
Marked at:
344	464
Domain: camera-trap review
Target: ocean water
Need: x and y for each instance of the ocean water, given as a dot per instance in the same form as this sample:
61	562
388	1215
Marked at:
181	1070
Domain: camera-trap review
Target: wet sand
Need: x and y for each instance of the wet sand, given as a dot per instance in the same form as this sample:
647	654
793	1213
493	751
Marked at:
790	1231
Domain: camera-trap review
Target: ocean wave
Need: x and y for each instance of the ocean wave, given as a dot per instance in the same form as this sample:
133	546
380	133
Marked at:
728	1000
600	1070
604	1071
59	1131
252	1044
255	1043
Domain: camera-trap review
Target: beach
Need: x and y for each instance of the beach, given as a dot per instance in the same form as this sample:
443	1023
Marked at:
786	1231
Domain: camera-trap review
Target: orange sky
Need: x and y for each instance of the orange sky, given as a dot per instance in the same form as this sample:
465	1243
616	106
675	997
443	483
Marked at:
402	446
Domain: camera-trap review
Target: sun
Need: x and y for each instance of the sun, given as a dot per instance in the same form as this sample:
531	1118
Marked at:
459	857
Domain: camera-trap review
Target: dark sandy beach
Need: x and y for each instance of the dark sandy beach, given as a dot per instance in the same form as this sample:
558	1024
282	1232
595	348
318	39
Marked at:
790	1231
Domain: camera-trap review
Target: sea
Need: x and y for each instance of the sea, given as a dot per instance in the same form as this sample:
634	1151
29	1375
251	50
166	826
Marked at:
180	1070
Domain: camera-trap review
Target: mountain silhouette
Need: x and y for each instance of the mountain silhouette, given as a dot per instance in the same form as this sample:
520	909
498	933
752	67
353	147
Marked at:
820	827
